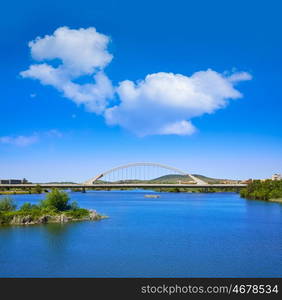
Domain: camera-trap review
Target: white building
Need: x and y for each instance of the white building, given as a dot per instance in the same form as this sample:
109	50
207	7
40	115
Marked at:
276	177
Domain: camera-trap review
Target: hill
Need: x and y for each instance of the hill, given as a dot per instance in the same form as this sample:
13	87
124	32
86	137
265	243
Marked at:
172	178
213	180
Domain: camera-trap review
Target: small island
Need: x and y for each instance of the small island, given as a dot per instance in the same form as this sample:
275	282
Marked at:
152	196
55	208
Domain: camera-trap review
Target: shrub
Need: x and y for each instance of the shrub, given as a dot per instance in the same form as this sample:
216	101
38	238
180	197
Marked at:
38	189
57	200
263	190
7	204
78	213
26	207
74	205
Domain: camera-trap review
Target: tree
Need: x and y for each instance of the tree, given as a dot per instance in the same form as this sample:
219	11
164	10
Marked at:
263	190
7	204
57	200
74	205
26	207
38	189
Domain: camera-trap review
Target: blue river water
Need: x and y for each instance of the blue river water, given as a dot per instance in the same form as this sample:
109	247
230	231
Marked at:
176	235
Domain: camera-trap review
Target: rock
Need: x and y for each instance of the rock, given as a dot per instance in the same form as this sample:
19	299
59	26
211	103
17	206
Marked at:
44	219
19	220
63	218
152	196
59	219
93	215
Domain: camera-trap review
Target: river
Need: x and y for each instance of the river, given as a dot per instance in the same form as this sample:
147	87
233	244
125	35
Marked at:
176	235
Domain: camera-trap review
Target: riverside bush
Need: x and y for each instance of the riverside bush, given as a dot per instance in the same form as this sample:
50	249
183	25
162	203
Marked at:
7	204
263	190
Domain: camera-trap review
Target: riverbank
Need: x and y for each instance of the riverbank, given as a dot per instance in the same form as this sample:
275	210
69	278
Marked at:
159	190
269	190
8	193
278	200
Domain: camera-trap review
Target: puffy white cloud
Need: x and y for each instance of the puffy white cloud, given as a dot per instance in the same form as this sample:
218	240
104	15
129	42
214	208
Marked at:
20	141
164	103
79	52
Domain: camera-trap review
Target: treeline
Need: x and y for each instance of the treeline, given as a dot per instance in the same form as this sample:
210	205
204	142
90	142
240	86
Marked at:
195	190
263	190
15	191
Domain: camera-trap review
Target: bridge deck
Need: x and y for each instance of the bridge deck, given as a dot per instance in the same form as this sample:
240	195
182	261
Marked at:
122	185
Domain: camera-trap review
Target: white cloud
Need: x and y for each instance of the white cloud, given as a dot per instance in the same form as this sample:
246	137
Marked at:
179	128
239	76
164	103
53	133
80	52
21	141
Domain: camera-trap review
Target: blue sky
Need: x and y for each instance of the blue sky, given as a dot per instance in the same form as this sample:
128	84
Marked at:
45	135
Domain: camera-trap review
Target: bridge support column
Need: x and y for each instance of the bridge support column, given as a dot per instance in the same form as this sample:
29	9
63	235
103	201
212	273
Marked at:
83	190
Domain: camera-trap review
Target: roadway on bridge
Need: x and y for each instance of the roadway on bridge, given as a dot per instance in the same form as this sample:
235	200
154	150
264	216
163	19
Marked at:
122	185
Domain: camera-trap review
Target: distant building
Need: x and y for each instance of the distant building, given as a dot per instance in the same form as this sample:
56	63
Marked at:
4	181
13	181
247	181
276	177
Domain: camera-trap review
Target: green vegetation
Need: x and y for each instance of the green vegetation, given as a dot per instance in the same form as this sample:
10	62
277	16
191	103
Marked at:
56	207
37	189
195	190
268	190
14	192
7	204
172	178
56	200
19	191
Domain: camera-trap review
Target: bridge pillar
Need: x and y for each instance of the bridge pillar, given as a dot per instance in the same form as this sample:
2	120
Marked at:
83	190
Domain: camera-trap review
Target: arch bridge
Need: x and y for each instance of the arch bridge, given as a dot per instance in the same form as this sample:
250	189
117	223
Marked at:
135	175
143	172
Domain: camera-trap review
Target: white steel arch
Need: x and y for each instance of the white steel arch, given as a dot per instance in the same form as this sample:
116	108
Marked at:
97	177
